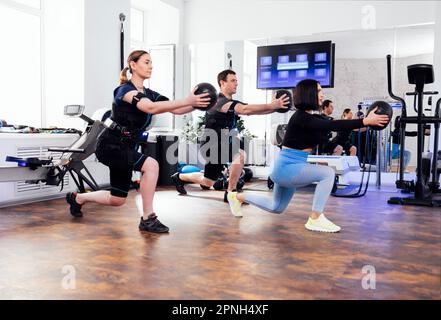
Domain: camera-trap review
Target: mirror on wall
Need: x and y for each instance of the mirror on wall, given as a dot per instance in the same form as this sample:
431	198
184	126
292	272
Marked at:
360	59
360	66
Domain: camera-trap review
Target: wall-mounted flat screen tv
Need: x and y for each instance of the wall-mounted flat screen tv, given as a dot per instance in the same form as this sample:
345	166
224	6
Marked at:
283	66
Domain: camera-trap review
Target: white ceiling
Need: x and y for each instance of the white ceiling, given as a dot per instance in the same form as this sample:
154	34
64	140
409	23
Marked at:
362	44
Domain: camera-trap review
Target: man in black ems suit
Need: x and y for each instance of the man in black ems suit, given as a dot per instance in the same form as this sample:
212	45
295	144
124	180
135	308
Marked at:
222	140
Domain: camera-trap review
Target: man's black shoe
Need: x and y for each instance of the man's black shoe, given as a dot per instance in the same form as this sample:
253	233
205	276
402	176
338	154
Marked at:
179	184
152	224
75	208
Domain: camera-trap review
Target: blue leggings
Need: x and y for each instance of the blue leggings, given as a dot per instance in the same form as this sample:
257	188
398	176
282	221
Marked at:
396	154
291	172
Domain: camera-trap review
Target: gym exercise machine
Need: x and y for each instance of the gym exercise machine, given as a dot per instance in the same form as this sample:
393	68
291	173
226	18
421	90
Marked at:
52	171
428	170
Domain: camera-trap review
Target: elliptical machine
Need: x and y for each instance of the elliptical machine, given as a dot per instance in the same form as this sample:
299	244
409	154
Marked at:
419	75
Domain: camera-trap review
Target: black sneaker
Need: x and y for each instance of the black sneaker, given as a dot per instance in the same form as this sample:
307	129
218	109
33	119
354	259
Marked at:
75	208
152	224
179	184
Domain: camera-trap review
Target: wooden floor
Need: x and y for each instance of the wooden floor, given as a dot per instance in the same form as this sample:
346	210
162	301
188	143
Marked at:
209	254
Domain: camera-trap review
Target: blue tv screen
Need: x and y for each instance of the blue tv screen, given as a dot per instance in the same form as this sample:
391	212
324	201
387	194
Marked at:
283	66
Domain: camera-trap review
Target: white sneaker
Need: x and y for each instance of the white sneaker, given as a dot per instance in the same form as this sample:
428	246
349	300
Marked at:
235	205
321	224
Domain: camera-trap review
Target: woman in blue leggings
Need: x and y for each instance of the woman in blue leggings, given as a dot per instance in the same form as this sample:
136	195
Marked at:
291	171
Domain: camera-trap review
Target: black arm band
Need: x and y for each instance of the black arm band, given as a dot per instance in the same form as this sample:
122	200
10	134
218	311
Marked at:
234	104
137	98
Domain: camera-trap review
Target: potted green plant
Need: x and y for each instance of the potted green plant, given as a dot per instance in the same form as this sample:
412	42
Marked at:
191	132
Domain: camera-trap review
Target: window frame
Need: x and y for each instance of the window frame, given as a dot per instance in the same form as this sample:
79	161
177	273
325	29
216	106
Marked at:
39	13
143	45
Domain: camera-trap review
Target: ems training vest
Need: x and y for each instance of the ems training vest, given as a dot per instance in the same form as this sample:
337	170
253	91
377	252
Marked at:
217	120
128	116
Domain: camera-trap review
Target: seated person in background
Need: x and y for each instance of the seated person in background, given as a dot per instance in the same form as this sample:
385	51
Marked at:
396	140
327	146
343	138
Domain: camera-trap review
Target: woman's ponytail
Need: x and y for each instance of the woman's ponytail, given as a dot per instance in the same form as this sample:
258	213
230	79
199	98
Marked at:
123	76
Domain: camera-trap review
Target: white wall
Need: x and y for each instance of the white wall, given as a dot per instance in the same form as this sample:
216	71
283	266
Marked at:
177	37
199	22
437	52
63	61
366	79
102	50
234	21
437	57
204	62
236	60
181	89
209	21
358	79
256	125
274	22
164	17
165	25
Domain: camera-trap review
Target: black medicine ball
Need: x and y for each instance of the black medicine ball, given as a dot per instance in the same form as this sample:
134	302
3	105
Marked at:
288	93
205	87
383	109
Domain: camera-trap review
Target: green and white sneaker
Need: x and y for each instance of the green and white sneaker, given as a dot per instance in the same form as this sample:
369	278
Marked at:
321	224
235	205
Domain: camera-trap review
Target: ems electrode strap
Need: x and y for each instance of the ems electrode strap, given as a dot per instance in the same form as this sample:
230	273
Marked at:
142	137
138	98
112	125
109	123
233	105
